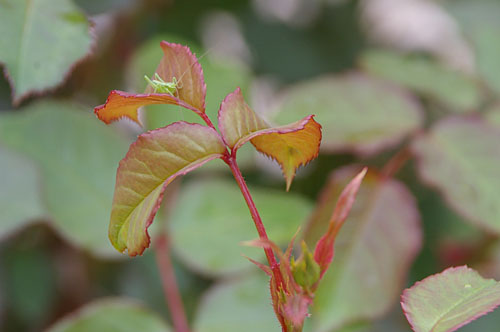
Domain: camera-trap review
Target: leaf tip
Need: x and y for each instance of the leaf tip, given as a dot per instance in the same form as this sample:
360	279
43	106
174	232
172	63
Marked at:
114	109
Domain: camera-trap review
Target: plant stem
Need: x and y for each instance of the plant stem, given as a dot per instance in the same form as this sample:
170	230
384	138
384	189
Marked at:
231	161
170	288
396	162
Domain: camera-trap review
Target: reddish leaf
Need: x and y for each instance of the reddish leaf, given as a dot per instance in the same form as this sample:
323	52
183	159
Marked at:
123	104
323	254
178	62
291	146
153	161
382	230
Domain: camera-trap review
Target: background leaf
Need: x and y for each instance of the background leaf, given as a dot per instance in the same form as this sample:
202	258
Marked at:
42	40
77	156
453	89
111	315
373	250
493	115
461	158
479	22
20	200
242	305
359	114
444	302
211	220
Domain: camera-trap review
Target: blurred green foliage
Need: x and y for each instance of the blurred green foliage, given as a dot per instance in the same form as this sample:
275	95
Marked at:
375	95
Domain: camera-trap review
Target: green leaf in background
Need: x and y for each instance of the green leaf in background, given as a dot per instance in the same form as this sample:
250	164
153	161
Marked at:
460	156
373	251
358	114
446	301
451	88
20	200
221	79
479	20
241	305
31	287
41	42
111	315
78	157
493	115
211	219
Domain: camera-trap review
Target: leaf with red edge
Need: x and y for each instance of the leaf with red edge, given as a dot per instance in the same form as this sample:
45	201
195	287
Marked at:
323	254
179	62
152	162
448	300
291	146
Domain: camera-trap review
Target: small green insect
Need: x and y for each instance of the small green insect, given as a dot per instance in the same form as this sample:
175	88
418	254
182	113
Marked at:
160	86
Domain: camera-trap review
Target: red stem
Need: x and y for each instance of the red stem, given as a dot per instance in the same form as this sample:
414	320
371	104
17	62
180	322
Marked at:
231	161
396	163
169	283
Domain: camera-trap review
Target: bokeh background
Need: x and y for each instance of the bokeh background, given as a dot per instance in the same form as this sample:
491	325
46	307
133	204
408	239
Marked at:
410	88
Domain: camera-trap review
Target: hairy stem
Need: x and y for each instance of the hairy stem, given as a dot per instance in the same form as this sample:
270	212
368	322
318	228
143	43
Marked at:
231	161
170	288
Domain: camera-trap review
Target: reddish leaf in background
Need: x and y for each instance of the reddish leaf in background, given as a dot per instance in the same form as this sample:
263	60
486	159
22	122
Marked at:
152	162
179	62
291	146
323	254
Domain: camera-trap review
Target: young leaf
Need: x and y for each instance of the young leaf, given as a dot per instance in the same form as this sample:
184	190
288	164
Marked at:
460	156
291	146
382	230
152	162
41	42
178	62
448	300
219	74
323	254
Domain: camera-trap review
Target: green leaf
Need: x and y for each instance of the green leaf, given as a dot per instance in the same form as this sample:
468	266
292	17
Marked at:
373	250
152	162
77	156
30	299
211	220
446	301
241	305
359	114
493	115
480	24
20	200
111	315
451	88
221	78
460	157
41	42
